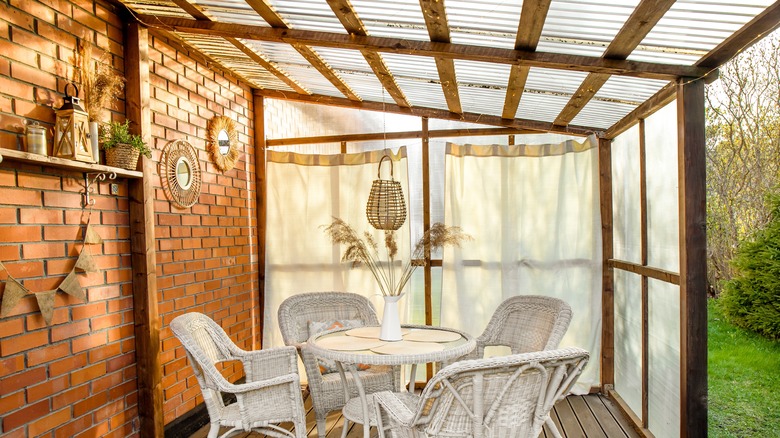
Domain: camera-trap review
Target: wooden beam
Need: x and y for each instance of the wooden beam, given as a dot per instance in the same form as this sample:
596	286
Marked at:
277	22
142	239
647	271
607	274
426	48
634	30
757	28
435	17
271	67
693	258
426	211
439	133
354	25
531	125
645	284
260	205
659	100
529	30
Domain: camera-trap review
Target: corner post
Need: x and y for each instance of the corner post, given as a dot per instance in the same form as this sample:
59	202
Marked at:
607	273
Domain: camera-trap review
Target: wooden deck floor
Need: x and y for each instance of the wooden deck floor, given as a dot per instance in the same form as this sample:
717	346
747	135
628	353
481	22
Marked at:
589	416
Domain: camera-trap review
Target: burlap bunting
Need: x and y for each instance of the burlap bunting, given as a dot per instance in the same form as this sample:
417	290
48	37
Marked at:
14	292
70	285
91	236
85	262
46	304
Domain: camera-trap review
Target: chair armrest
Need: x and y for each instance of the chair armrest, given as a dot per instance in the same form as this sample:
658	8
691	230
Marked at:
269	363
388	403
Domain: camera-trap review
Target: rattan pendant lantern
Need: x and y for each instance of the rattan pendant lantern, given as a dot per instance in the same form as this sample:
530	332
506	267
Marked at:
386	208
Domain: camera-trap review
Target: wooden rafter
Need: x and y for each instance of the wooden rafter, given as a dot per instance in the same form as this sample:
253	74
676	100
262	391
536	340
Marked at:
354	25
199	14
277	22
402	135
529	30
648	70
439	31
531	125
638	25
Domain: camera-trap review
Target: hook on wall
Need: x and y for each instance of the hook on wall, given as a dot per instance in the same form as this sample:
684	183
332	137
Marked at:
90	179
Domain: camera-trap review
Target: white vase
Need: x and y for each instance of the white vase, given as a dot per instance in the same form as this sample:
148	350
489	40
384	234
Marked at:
93	140
391	324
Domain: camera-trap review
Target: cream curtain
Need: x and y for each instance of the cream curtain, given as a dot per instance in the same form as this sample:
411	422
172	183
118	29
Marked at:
533	211
304	193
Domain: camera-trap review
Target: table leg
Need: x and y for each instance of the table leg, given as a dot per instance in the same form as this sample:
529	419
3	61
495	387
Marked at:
412	375
361	393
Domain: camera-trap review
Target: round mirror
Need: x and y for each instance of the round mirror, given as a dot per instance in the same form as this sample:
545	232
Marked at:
183	173
224	142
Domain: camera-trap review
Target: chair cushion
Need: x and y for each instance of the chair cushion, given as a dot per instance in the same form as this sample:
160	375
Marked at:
327	365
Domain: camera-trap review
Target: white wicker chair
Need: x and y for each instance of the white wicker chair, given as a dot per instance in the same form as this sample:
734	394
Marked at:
507	396
525	323
327	391
271	394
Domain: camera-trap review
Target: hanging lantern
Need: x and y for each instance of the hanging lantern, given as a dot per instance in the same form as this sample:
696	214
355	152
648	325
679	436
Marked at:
71	136
386	209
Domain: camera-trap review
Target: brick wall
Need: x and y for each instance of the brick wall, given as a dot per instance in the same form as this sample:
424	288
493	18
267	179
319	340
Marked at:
77	377
206	254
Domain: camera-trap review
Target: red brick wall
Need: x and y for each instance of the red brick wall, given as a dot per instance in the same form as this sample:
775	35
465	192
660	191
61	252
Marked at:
206	254
77	377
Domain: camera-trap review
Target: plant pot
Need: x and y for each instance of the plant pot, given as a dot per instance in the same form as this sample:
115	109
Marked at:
391	324
122	155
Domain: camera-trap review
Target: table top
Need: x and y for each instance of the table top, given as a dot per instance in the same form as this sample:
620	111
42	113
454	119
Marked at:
421	344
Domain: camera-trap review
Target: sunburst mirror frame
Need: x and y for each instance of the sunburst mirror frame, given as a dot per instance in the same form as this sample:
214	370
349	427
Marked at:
180	173
222	142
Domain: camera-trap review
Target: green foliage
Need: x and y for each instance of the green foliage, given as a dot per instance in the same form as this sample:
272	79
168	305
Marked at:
743	381
115	133
751	299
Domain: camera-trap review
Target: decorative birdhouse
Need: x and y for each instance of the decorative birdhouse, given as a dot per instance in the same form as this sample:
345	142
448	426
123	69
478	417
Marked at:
71	136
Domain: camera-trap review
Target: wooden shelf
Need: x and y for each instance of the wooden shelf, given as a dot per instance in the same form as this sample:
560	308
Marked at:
12	155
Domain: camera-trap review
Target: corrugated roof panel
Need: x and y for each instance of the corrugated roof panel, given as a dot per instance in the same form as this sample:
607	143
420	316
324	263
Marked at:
231	11
423	94
601	114
483	22
412	66
289	60
627	89
558	81
162	8
308	15
484	73
392	19
482	100
542	107
355	71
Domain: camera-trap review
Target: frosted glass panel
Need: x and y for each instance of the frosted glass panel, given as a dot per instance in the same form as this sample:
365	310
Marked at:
628	338
663	359
625	196
662	183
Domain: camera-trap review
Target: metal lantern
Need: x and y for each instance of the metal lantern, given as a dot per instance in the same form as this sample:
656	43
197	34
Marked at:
71	136
386	209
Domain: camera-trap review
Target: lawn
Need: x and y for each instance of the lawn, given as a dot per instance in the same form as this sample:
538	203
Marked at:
744	381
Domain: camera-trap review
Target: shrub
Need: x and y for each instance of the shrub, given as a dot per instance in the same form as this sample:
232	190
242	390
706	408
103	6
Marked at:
751	299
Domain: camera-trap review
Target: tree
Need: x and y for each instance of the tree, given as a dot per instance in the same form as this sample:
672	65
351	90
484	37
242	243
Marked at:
743	151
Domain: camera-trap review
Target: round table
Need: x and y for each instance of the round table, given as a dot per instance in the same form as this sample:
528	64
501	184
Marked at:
345	349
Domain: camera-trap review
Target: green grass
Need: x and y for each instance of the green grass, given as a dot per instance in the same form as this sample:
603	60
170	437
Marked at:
744	381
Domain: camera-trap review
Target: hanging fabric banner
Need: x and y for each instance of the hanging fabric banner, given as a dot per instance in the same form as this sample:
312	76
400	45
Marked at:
91	236
46	304
86	263
14	292
71	286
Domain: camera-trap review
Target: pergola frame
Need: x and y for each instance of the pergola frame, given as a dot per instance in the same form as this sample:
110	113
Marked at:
688	90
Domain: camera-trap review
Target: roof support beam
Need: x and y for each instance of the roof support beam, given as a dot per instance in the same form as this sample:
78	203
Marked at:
531	125
354	25
426	48
439	133
439	31
198	14
638	25
277	22
529	30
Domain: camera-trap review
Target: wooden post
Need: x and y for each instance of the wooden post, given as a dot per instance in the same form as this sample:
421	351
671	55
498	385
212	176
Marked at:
142	239
426	192
644	281
260	186
607	276
693	256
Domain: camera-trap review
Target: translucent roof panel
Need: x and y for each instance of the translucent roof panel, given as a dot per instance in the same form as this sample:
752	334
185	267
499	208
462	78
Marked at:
392	19
482	73
482	100
290	61
231	11
602	114
557	81
308	15
629	90
484	22
691	28
163	8
355	71
423	93
544	107
230	57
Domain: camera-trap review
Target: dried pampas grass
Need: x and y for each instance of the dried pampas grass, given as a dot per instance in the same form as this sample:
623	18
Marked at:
100	84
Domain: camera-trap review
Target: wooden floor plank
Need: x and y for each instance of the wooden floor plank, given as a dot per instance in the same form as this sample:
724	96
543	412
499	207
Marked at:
585	416
590	416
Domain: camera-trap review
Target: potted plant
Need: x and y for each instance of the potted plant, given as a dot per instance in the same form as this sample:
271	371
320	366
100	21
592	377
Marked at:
122	148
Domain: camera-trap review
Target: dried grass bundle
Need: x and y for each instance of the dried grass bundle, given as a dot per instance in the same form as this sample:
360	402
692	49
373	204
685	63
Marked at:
365	251
99	81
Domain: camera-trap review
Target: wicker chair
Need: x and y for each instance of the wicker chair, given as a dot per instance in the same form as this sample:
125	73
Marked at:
271	394
495	397
525	323
327	391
